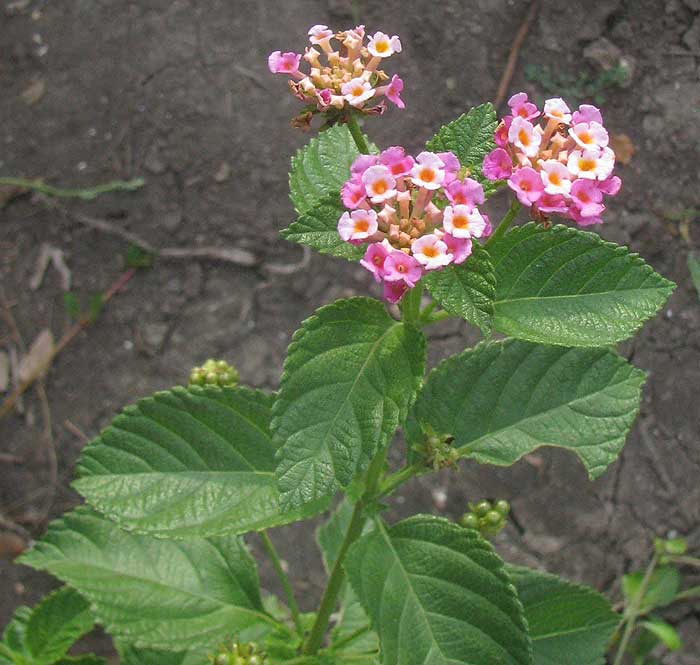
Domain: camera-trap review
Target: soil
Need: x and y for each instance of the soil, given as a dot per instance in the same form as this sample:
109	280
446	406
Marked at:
178	92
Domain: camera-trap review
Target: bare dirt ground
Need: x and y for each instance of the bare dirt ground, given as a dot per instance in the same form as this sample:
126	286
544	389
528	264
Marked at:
177	91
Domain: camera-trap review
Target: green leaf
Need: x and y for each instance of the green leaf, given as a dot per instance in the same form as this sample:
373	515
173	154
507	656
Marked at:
58	621
318	228
665	632
351	373
502	400
569	287
130	655
467	289
188	463
661	590
569	624
438	594
694	269
321	168
14	635
470	138
161	594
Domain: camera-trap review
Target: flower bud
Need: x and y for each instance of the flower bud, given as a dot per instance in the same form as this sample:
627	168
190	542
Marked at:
214	373
493	519
469	521
482	508
502	506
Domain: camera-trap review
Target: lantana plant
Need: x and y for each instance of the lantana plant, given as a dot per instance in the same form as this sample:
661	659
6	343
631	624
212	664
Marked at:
181	483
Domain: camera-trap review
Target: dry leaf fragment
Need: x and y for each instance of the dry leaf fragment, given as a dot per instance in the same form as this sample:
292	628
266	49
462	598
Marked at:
54	255
4	372
623	147
38	358
11	545
33	93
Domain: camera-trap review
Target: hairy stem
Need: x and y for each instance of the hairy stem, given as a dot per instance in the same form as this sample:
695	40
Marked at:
633	611
505	223
85	194
399	478
337	576
277	565
352	636
357	134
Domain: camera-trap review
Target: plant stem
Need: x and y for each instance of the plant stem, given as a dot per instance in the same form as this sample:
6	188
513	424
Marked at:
352	636
686	560
693	592
86	194
435	318
399	478
277	565
357	134
632	611
337	576
505	223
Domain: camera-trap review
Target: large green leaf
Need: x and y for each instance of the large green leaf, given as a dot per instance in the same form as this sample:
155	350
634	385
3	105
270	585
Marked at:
502	400
437	594
187	463
351	373
321	167
470	138
55	624
162	594
467	289
318	228
569	287
569	624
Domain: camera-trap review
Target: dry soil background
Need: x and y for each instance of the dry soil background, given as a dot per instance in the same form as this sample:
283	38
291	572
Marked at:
177	91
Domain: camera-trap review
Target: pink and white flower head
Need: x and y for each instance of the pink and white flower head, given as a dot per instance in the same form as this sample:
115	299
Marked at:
560	163
358	226
423	222
429	171
383	46
341	71
521	107
557	109
379	184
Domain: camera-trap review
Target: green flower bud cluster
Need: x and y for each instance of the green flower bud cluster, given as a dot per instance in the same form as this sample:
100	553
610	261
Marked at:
486	517
666	549
240	653
214	373
439	452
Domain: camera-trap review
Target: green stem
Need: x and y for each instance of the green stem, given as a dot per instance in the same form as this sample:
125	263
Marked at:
349	638
277	565
693	592
357	134
337	576
632	611
505	223
435	318
410	305
85	194
399	478
685	560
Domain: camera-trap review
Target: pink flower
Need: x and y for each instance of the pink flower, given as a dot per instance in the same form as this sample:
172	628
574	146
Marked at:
501	134
357	91
527	185
556	109
497	165
357	226
393	91
362	163
396	160
575	214
520	106
610	186
555	177
382	46
452	166
587	198
522	135
374	258
431	252
400	266
587	113
589	135
548	203
462	221
593	164
284	63
394	291
321	35
460	248
379	183
467	192
429	171
353	193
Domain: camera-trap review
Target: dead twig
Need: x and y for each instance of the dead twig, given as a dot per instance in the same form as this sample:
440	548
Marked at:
513	54
75	430
80	325
235	255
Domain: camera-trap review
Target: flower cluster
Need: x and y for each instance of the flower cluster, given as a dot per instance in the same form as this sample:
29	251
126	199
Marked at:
397	204
343	71
554	160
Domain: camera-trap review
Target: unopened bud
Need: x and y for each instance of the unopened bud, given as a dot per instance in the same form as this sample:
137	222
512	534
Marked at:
214	373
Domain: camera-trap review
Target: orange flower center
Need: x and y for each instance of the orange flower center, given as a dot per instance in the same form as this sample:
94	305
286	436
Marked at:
427	175
586	165
460	221
430	252
379	187
361	226
381	47
523	137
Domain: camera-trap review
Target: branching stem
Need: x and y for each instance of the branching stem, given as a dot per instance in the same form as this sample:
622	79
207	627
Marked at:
357	134
505	223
